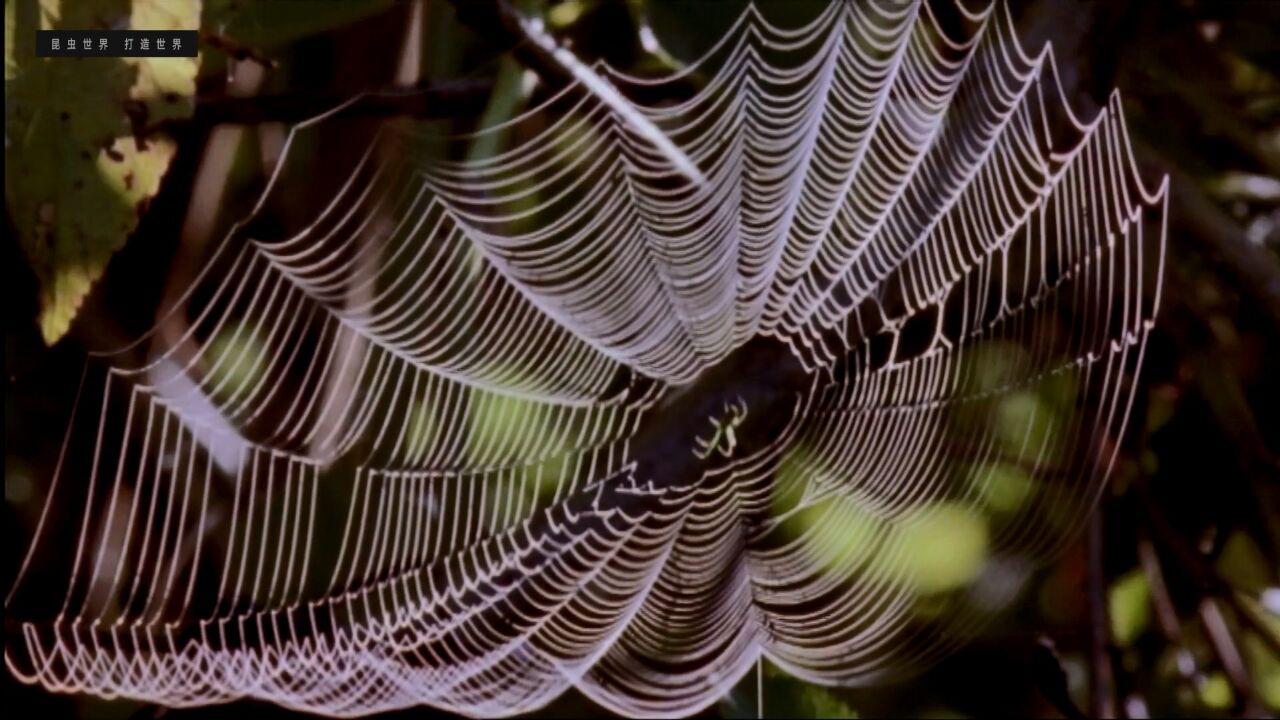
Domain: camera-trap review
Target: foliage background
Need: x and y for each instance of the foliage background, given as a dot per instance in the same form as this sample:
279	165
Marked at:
1167	605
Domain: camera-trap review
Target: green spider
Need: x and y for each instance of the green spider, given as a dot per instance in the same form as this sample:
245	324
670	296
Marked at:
735	413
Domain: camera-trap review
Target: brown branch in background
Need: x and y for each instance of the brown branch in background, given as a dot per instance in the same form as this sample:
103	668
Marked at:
198	227
499	24
435	100
1189	320
1198	86
1166	613
1224	645
1101	675
1197	218
1192	215
1198	570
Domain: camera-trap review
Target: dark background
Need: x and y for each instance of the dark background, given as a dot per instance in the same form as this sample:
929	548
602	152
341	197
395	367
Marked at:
1189	532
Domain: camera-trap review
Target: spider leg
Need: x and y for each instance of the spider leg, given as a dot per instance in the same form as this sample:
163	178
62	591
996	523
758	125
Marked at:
731	441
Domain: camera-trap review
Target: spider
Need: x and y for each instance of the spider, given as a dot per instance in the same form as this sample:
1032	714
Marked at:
734	414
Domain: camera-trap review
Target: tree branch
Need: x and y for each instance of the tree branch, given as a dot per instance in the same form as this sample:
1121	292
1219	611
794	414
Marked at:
449	99
1216	234
499	23
1228	651
1203	574
1101	676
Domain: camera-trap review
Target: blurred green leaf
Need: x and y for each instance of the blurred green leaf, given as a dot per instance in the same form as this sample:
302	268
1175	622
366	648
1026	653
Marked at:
1265	666
505	430
1004	487
995	364
1215	692
943	547
838	531
1242	563
815	701
235	360
1129	603
1028	426
567	12
505	101
1162	403
76	181
422	429
509	95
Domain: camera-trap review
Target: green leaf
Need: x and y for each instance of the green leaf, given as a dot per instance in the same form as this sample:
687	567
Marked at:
943	547
422	430
1242	564
994	364
280	22
236	361
1215	692
1129	602
1028	426
508	430
564	14
837	531
1266	669
76	181
815	701
1003	487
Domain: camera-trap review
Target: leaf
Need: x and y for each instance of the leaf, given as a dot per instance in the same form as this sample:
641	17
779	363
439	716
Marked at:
838	531
1004	487
564	14
236	360
1129	602
76	180
1028	426
1242	563
1266	669
943	546
1215	692
505	429
825	704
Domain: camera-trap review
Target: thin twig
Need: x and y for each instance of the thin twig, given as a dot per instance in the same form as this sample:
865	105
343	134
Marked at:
1215	233
537	50
1198	570
1228	651
1166	613
1101	675
499	24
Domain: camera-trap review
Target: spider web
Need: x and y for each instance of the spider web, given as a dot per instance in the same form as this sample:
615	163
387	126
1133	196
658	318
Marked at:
520	491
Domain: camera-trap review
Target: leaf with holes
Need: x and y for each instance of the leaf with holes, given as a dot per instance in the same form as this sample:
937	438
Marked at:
76	179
